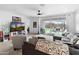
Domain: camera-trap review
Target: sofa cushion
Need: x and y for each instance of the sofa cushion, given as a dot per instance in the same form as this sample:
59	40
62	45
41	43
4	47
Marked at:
52	47
33	40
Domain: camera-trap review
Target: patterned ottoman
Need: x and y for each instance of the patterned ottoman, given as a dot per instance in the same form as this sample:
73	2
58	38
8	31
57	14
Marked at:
52	47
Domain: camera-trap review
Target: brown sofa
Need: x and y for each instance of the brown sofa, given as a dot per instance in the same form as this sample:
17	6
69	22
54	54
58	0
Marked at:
29	49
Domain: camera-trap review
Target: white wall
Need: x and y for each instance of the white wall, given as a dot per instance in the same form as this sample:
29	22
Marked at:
33	30
77	22
6	18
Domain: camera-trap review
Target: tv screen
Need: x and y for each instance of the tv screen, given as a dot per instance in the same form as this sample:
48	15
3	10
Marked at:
17	26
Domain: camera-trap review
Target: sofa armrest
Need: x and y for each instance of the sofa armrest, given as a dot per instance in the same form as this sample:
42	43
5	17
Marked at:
73	51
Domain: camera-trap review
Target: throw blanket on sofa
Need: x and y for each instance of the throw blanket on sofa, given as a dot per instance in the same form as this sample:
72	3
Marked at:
53	48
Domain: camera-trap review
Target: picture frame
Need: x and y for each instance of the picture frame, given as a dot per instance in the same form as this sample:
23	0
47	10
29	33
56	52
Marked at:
34	24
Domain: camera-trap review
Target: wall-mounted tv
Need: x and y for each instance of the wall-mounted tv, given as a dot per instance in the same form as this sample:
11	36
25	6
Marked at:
17	26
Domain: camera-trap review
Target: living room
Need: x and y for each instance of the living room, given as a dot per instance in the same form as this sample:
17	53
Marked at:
39	29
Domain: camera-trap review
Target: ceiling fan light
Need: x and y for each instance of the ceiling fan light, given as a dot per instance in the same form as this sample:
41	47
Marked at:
39	14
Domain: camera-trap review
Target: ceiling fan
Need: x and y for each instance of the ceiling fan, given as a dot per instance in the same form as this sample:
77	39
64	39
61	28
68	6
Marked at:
39	12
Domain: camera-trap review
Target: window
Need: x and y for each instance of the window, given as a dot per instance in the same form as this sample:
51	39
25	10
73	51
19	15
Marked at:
55	25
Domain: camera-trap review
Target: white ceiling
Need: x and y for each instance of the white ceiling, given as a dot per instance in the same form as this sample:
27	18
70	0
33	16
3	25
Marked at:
46	9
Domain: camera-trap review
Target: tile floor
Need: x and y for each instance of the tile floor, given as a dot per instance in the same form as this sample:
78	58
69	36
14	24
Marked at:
6	48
